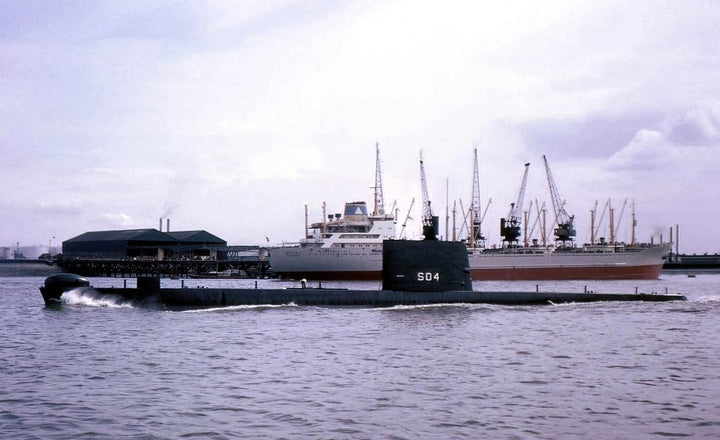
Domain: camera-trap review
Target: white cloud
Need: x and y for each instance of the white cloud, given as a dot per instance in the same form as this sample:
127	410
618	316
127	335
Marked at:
116	220
700	125
648	150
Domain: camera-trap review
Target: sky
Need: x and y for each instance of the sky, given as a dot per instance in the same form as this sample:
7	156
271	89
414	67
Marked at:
231	116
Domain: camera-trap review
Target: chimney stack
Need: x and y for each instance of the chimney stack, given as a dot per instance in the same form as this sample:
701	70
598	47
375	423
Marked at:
167	225
160	227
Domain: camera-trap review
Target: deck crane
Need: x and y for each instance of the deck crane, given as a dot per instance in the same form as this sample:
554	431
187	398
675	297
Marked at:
477	239
487	205
565	230
430	225
407	217
379	202
510	226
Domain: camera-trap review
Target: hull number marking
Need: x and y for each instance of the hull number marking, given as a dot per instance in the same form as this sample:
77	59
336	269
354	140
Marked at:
428	276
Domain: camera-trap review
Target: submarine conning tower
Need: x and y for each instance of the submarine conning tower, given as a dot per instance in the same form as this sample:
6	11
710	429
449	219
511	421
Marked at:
425	266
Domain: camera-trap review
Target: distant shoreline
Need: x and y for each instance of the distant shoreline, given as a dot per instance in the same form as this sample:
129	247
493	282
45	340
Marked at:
27	268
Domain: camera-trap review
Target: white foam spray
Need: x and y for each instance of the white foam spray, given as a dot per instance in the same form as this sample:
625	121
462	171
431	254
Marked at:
243	307
90	297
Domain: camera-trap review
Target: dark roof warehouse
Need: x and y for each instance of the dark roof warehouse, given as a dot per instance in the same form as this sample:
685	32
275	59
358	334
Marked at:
142	243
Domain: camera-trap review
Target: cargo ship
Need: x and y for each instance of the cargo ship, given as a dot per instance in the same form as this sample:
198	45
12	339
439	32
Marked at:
349	246
593	262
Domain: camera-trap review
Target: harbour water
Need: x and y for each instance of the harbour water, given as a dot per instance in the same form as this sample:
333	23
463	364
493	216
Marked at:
98	369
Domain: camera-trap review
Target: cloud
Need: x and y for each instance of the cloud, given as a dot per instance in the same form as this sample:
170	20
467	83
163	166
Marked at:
699	125
688	139
62	207
648	150
116	220
594	135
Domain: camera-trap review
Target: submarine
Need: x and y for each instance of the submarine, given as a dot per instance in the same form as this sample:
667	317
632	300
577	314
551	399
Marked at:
414	273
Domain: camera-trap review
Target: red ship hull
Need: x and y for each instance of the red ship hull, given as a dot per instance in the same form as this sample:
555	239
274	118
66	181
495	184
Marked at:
649	272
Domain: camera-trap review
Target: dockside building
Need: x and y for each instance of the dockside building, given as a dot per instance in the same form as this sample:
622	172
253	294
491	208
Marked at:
144	244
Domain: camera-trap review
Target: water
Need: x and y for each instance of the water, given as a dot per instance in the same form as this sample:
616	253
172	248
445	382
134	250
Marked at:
94	369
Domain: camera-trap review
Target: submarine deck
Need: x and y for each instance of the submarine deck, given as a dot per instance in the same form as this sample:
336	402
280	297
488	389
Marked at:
213	297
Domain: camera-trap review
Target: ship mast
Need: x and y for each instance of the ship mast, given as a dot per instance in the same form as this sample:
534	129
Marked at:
565	230
592	223
617	224
429	221
510	226
306	222
477	238
539	210
596	231
634	224
379	208
611	220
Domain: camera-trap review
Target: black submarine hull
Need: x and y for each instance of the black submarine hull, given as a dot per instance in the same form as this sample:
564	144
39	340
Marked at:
209	297
414	273
382	298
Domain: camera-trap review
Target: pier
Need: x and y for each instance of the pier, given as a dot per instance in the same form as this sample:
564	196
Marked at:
685	262
161	268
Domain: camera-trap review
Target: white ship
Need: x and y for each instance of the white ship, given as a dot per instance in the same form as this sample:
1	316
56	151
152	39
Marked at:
345	247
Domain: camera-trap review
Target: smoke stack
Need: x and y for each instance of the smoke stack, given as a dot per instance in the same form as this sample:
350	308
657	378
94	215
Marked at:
167	225
160	227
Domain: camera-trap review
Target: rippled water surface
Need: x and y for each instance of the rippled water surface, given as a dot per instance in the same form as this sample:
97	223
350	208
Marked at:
92	369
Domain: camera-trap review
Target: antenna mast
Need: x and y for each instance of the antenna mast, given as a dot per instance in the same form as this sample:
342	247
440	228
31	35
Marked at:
565	230
379	202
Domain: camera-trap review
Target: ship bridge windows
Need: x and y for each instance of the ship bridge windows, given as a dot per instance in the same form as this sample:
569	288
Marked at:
356	212
356	208
359	236
347	227
370	246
